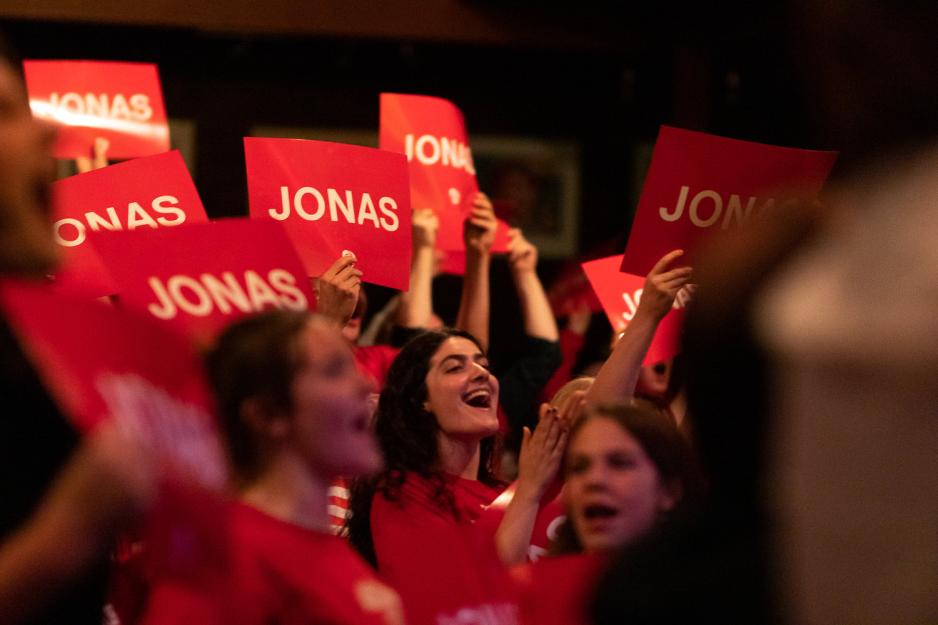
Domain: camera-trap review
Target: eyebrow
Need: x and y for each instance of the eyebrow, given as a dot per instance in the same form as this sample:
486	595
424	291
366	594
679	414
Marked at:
462	358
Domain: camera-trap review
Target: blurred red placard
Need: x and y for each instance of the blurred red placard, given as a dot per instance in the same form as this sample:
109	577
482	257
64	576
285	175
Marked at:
121	102
699	184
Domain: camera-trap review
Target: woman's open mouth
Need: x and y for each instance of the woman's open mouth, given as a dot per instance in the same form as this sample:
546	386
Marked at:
478	398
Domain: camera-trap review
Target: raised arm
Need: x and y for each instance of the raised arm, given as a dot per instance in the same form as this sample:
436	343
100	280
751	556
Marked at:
538	466
535	309
478	234
416	304
618	376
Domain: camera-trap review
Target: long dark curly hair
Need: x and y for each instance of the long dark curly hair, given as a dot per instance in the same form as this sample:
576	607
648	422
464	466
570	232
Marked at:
407	434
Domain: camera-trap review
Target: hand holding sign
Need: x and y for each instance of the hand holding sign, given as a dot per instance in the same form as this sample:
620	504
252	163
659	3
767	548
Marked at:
98	159
522	254
431	132
662	286
652	335
479	228
426	224
337	290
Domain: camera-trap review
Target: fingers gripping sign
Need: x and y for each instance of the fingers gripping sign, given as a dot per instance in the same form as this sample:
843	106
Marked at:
522	254
480	225
338	289
425	224
98	158
663	284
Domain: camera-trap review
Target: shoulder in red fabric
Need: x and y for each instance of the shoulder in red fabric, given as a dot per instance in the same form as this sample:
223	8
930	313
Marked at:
439	563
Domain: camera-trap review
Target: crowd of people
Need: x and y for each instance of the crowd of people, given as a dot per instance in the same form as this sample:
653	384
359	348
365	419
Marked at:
416	481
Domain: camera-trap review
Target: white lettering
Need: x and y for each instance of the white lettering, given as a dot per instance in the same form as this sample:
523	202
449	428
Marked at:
260	292
298	203
140	104
95	222
678	209
204	295
202	304
695	203
388	208
434	156
290	296
284	205
736	214
336	204
342	206
366	212
79	229
137	217
168	205
226	292
135	107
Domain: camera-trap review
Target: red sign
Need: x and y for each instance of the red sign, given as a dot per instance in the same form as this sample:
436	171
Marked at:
149	193
699	184
620	293
431	133
102	363
201	277
333	197
122	102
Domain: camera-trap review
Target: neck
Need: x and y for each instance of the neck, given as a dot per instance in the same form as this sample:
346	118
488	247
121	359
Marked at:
460	456
289	491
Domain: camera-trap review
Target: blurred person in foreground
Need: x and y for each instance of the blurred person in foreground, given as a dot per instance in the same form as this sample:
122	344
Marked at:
64	500
812	358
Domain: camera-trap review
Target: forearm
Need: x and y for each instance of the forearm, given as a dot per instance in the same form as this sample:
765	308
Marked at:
41	559
416	306
513	536
535	308
473	314
618	376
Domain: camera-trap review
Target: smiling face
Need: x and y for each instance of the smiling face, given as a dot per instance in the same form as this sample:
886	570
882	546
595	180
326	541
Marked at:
26	174
331	411
461	392
613	491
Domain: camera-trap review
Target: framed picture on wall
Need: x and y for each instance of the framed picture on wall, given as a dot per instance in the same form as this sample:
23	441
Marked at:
534	183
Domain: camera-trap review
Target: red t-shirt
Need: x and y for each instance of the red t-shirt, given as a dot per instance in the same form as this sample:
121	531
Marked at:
281	573
444	565
557	590
374	361
549	518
